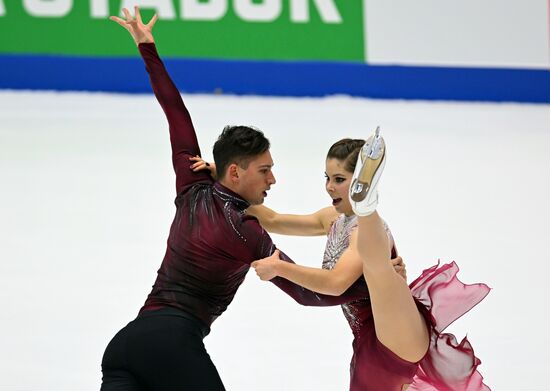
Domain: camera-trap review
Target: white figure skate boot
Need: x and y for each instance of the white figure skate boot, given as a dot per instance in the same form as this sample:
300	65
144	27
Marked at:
363	191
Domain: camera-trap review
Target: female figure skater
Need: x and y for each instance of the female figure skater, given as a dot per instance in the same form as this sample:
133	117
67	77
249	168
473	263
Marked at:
398	342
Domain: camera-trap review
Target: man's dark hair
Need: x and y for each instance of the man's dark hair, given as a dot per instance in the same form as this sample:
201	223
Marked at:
346	150
238	144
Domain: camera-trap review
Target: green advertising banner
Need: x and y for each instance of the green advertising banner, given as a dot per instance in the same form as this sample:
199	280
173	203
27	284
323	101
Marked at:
257	47
323	30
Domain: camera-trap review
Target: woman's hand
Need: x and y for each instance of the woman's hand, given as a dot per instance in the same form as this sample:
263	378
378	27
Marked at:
142	33
399	267
201	164
266	268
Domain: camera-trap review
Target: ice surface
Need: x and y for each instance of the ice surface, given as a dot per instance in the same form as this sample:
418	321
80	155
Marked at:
86	201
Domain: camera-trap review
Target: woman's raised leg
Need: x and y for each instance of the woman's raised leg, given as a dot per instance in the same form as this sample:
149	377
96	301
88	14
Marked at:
398	323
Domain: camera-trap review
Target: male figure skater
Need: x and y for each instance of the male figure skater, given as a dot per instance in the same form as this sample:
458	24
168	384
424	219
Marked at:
210	247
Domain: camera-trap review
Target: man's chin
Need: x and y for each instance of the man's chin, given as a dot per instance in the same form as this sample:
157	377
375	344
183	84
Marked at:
257	202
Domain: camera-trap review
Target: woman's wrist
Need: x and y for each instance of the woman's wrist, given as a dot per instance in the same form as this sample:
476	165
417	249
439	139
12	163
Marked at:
281	269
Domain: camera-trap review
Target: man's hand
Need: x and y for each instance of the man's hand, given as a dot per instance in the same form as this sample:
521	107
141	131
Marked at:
142	33
399	267
266	268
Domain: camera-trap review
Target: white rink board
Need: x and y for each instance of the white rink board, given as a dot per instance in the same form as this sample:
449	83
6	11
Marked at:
473	33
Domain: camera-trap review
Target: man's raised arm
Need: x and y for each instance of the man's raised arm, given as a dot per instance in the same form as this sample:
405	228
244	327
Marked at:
182	133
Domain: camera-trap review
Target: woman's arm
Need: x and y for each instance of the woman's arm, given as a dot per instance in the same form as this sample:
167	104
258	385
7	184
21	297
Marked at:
332	282
314	224
329	282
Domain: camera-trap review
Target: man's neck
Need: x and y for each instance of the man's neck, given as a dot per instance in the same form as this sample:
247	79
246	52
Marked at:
229	185
231	191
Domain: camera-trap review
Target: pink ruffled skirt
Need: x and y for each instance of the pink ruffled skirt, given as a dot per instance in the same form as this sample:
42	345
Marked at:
448	365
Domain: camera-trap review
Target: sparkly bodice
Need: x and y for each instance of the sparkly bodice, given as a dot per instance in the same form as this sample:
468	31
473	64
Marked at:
338	239
358	311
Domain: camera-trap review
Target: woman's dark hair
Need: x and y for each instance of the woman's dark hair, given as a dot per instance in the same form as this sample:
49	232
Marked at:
238	144
346	150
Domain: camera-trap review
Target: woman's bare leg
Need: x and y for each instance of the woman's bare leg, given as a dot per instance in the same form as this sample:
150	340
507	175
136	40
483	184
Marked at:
398	323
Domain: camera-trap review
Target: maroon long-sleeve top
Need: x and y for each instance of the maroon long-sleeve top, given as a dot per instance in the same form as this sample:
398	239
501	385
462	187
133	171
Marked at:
212	240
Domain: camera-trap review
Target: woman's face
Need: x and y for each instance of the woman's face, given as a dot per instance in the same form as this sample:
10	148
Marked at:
337	184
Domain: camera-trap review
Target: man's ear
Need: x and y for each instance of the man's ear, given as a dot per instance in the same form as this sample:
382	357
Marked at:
233	172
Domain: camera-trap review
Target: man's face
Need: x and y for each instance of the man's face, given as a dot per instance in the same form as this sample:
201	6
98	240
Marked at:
256	179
